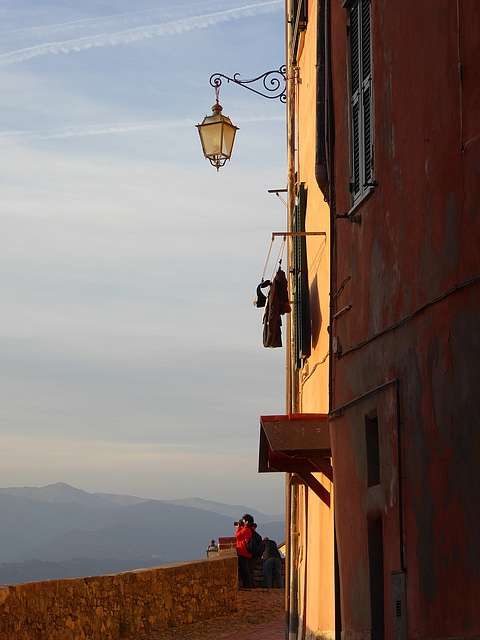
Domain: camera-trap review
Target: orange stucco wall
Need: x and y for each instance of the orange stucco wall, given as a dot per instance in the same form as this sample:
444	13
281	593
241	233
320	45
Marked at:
313	377
315	522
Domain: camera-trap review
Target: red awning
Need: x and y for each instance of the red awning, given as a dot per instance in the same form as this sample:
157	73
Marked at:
297	443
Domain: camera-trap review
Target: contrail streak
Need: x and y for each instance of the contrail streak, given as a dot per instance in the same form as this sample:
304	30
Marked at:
111	19
139	33
105	129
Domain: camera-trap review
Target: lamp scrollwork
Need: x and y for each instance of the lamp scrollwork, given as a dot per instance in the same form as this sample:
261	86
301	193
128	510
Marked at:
273	83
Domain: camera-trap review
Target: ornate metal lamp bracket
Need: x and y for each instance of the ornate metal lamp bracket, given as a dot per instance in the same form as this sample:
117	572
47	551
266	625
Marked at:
274	83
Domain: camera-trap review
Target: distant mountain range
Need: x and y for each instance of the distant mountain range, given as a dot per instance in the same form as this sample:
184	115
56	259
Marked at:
58	531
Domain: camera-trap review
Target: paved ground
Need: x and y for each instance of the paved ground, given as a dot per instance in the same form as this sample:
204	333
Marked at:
274	630
260	615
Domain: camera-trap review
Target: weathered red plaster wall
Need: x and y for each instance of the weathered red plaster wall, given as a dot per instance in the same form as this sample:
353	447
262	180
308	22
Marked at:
418	240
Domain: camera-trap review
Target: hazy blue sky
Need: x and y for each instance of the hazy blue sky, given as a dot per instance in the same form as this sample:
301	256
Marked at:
131	354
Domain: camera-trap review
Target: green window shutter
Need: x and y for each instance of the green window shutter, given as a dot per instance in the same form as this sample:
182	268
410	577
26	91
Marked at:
299	20
355	74
356	147
361	97
301	292
366	39
299	14
355	50
367	93
367	134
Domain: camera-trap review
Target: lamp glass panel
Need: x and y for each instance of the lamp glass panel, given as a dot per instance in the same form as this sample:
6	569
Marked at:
212	138
228	138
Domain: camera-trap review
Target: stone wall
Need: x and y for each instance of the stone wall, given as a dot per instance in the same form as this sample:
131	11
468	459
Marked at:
114	606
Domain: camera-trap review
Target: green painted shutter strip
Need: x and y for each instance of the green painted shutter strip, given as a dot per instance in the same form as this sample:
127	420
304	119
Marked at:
301	294
354	51
367	129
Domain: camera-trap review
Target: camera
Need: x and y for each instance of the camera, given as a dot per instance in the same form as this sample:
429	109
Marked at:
239	523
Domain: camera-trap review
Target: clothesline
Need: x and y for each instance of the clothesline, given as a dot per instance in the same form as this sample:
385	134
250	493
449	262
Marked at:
285	235
279	258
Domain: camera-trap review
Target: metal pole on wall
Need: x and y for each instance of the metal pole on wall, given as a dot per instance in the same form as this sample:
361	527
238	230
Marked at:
291	488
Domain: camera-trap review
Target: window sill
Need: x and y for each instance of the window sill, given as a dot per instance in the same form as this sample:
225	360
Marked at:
360	202
353	215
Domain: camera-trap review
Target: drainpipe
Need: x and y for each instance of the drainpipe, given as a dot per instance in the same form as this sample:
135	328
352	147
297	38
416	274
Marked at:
288	551
293	565
291	489
291	183
321	173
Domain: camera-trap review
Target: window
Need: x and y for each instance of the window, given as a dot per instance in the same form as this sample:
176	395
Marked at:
298	22
361	98
300	15
373	450
300	279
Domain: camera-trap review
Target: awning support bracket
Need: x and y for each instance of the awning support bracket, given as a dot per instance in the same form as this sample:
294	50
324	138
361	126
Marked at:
322	465
316	486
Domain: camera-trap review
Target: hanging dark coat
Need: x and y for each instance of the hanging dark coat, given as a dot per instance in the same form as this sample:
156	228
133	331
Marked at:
277	305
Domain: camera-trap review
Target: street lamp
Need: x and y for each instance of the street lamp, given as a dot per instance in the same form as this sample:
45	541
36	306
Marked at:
217	135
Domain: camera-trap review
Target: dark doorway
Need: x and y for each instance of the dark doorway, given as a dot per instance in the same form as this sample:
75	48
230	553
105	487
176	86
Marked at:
375	565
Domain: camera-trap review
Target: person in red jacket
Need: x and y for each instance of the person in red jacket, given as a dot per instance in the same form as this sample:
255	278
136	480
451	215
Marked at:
246	563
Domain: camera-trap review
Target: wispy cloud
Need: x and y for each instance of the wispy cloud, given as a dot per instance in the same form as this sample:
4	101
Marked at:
128	36
99	129
114	128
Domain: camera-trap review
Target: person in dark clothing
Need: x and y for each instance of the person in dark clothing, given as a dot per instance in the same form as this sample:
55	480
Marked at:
246	563
272	564
277	305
